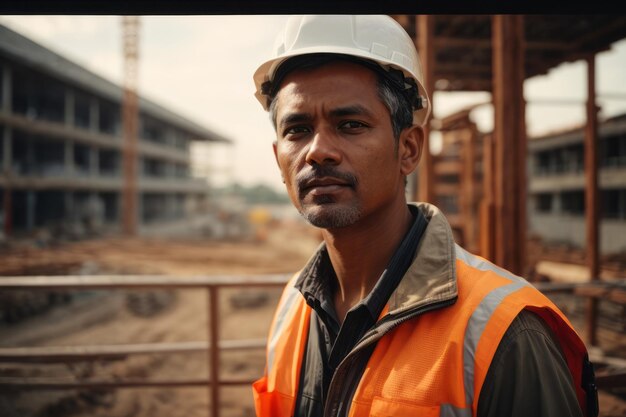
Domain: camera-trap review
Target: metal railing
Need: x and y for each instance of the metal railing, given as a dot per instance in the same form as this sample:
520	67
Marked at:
66	354
615	292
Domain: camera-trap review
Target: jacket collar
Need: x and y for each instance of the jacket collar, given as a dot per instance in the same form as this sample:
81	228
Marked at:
432	275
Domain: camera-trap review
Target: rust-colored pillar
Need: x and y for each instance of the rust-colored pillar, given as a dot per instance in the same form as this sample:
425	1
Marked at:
591	195
469	187
130	121
487	227
214	351
425	46
510	142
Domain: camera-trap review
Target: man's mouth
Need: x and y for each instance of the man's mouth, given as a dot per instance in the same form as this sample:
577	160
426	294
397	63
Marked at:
324	180
324	185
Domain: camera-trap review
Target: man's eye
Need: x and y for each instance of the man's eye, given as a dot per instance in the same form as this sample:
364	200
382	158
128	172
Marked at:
294	130
351	124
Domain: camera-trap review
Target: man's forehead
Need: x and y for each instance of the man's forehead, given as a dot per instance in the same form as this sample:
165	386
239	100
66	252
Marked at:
335	81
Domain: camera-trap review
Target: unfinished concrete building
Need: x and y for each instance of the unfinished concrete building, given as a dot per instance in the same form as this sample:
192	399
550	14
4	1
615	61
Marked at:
556	186
61	154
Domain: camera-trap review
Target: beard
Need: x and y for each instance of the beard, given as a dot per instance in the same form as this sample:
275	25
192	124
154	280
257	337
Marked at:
330	215
323	211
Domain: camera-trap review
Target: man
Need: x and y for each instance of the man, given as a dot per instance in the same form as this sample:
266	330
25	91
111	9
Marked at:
390	317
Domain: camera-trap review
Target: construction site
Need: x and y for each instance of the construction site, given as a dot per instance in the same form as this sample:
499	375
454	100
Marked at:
128	289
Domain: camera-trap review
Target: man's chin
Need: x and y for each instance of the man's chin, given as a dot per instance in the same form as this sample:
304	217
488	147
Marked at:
330	215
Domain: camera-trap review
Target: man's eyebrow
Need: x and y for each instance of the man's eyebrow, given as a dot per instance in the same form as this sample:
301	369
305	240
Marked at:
290	118
353	110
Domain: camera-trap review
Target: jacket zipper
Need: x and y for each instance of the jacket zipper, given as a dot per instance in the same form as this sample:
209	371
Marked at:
349	382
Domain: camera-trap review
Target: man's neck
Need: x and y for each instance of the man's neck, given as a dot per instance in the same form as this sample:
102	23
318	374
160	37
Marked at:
360	253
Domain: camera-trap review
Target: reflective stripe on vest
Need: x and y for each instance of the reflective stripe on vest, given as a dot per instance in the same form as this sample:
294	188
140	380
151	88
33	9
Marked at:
285	308
481	316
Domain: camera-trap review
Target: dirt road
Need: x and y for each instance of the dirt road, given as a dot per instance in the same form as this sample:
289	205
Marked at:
285	250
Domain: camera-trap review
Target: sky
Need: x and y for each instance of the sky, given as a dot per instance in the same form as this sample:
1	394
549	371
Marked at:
201	67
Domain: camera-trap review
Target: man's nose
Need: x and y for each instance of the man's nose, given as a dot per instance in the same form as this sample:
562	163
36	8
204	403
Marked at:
324	149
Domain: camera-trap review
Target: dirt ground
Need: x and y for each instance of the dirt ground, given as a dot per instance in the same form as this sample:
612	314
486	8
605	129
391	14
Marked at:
108	318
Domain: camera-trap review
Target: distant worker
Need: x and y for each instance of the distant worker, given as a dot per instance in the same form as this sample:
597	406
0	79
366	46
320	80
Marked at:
390	317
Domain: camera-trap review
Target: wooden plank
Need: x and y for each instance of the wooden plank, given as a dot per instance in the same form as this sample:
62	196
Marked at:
138	281
447	189
612	380
617	296
64	354
447	167
554	287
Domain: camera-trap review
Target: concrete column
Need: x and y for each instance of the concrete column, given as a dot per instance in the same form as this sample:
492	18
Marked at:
69	157
69	108
31	204
7	150
7	89
94	161
94	115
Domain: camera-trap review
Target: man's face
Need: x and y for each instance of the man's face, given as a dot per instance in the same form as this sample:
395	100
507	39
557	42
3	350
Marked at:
335	146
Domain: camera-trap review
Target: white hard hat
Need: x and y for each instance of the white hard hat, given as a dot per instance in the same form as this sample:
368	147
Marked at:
377	38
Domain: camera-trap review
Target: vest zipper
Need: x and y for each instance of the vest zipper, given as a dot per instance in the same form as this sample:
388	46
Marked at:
342	396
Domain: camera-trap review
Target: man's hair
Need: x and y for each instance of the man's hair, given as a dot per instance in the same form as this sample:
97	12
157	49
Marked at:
399	106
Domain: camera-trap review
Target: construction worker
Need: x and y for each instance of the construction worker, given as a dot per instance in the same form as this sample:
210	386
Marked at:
390	317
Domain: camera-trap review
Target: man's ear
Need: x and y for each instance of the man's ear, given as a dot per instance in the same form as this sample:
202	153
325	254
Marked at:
410	145
276	157
275	152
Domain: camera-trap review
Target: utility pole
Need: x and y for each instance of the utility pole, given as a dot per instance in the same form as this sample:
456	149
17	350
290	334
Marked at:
130	118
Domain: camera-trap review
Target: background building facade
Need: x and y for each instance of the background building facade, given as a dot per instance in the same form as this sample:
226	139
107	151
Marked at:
62	149
556	186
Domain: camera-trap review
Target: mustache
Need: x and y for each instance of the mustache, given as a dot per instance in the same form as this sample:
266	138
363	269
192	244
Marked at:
324	171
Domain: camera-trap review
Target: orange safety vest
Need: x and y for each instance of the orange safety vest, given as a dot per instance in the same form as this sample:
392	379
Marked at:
431	356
